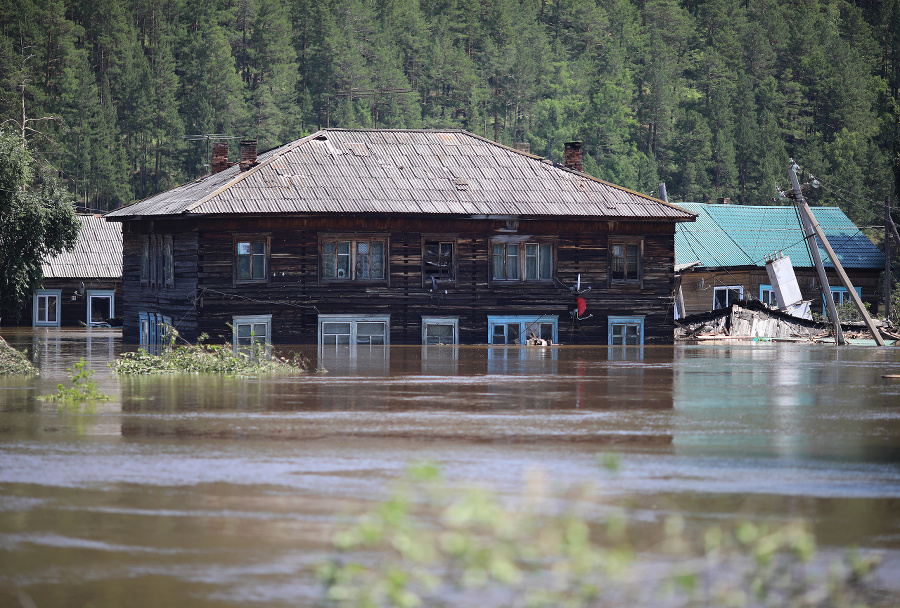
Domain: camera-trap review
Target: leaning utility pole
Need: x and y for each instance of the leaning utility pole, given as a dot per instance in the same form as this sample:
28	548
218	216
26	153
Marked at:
813	229
887	257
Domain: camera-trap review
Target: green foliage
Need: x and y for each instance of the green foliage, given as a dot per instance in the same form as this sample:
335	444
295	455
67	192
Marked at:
429	544
84	387
205	358
711	97
14	362
37	220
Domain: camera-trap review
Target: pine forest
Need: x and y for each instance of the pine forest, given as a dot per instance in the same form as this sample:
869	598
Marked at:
711	97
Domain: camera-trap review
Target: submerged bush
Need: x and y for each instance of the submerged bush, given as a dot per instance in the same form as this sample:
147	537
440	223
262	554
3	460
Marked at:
84	387
427	546
14	362
209	358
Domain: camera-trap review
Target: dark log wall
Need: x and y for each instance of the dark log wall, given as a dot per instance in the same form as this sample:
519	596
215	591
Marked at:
180	302
697	286
206	296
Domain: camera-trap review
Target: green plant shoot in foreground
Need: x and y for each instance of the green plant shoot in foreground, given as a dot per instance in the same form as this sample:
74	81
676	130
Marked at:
84	387
426	545
209	358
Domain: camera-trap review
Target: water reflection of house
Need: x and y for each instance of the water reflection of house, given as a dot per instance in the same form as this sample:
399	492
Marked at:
355	238
731	243
82	286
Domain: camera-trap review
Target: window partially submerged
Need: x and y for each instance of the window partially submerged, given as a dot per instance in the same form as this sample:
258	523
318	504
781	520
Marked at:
252	334
626	331
517	329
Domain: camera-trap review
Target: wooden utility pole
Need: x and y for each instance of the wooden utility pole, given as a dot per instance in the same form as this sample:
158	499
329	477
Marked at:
813	228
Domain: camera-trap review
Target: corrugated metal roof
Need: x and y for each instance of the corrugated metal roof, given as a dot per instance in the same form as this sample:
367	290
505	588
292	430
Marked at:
385	171
738	235
98	253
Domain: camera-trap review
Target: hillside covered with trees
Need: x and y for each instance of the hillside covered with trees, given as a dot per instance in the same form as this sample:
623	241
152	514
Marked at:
710	96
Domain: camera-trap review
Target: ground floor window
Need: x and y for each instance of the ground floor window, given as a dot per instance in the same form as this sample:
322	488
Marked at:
519	328
841	297
440	330
154	328
251	330
354	331
100	306
725	296
767	295
626	331
46	307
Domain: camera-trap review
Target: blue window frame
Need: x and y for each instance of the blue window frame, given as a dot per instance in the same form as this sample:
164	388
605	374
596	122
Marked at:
841	296
516	329
625	331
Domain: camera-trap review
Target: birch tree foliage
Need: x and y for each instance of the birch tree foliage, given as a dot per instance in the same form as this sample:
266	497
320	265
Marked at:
37	220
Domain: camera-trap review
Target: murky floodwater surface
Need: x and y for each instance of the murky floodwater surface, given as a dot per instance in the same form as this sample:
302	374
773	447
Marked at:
205	491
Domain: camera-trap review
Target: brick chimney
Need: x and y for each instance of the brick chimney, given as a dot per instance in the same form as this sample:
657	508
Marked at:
572	156
248	154
219	157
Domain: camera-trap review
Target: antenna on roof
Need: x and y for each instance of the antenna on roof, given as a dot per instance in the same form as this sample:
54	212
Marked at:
209	137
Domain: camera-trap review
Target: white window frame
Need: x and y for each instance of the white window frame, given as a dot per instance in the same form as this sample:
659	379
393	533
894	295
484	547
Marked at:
251	320
727	289
426	321
100	293
763	289
354	321
524	321
625	320
46	293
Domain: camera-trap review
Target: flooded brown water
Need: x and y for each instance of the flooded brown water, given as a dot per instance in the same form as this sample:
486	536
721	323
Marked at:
199	491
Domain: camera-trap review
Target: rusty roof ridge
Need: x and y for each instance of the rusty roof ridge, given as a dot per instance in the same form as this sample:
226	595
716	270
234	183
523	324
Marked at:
244	174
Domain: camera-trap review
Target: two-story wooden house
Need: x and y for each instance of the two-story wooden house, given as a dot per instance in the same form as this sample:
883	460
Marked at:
399	237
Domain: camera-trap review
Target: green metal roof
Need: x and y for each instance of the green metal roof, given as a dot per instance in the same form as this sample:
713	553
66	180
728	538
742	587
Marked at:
739	235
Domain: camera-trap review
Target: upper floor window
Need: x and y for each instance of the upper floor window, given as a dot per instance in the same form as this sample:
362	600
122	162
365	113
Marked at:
521	261
158	260
359	259
438	259
250	258
625	261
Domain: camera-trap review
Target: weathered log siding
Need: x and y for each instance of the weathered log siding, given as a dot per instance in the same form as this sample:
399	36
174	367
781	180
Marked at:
207	297
697	286
180	301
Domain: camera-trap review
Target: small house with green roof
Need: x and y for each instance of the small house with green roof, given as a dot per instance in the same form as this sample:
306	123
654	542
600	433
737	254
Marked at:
722	255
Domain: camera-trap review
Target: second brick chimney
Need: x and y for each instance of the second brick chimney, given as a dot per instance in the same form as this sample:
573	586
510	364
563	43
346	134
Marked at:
248	154
572	156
